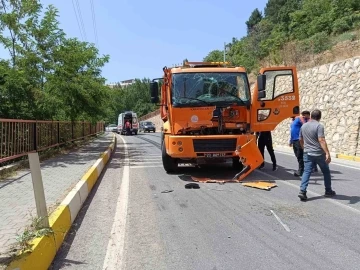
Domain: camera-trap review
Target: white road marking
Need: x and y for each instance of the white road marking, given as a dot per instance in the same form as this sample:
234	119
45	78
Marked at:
312	193
135	163
144	159
115	250
335	163
282	223
149	166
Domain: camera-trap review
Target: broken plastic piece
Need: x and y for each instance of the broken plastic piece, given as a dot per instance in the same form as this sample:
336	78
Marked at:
260	185
209	180
250	156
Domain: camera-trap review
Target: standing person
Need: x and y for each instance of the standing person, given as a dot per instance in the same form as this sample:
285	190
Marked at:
312	140
265	139
127	126
294	139
295	143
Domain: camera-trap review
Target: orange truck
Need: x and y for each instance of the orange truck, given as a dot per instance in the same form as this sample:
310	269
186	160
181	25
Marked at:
211	115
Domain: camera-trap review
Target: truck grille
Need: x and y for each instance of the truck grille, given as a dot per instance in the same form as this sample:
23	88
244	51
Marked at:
214	145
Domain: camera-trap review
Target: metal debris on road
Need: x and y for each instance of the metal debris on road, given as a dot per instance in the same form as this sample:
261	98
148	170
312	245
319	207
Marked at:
167	191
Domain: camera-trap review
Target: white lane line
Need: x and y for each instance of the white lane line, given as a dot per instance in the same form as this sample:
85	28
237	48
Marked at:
333	201
282	223
335	163
135	163
149	166
115	250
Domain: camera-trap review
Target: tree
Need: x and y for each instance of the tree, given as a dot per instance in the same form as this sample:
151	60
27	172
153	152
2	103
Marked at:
307	24
214	56
254	19
49	76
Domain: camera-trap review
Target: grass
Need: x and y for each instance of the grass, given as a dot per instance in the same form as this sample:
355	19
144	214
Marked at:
34	230
23	240
341	47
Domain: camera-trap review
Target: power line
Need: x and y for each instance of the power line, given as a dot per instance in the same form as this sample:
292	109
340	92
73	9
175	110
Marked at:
94	23
81	20
77	19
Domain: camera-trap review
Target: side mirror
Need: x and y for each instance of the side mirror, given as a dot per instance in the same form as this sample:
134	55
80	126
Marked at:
154	92
261	82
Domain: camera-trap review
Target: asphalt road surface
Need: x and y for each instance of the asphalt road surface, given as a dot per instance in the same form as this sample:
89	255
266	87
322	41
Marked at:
139	217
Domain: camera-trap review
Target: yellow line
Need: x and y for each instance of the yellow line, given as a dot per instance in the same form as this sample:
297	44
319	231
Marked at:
90	177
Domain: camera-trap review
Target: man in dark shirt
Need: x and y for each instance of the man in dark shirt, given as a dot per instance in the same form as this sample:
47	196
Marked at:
312	140
265	139
295	143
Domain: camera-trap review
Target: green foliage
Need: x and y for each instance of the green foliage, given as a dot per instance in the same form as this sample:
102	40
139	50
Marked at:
254	19
214	56
311	25
134	97
48	75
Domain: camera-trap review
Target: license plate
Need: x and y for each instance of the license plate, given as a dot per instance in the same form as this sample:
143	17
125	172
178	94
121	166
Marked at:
214	155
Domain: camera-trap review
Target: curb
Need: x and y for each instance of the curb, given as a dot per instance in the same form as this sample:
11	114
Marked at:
346	157
339	156
43	250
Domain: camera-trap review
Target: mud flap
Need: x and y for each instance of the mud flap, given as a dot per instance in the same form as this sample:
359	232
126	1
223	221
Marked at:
250	156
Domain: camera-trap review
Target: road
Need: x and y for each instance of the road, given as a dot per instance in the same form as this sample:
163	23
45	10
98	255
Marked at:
215	227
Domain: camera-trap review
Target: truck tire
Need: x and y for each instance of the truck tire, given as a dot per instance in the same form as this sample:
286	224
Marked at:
236	164
170	164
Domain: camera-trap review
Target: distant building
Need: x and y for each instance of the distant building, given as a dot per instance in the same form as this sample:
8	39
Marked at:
122	83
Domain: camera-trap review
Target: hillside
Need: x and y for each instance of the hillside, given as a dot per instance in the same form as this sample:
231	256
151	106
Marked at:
305	33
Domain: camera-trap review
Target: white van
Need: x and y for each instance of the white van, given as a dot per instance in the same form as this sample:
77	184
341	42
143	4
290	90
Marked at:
128	116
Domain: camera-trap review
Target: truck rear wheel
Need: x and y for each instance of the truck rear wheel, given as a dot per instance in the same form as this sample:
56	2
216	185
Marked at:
169	163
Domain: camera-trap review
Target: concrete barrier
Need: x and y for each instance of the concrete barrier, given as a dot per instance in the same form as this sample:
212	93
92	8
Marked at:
43	249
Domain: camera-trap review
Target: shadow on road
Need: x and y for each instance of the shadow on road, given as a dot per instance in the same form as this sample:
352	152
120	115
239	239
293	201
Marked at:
350	199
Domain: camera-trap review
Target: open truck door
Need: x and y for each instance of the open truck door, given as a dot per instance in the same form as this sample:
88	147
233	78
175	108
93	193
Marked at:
275	98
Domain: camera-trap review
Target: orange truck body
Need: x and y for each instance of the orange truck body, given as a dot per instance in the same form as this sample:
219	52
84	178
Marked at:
210	114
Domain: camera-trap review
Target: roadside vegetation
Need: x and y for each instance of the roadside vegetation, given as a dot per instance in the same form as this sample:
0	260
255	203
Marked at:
294	32
47	75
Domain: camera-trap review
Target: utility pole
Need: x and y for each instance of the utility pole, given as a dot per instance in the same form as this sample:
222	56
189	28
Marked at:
224	51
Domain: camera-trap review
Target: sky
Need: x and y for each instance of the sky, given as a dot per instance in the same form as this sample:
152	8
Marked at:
141	37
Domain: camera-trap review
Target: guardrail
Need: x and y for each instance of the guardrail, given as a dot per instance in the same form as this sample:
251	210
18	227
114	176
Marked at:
20	137
149	115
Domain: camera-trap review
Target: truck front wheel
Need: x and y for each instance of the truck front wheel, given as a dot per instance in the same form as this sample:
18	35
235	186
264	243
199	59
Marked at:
169	163
236	164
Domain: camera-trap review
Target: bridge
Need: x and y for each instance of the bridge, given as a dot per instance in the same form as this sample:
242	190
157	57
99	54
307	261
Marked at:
125	211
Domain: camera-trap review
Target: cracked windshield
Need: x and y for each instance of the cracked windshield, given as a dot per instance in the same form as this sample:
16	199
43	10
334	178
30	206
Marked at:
204	89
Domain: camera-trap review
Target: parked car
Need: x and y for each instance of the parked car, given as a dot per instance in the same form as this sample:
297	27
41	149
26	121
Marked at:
147	126
111	128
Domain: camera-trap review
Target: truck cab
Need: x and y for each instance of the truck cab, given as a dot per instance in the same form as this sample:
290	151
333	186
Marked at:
209	110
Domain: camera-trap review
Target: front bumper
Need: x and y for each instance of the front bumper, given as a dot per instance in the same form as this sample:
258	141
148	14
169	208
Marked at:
204	147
